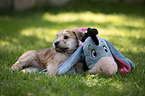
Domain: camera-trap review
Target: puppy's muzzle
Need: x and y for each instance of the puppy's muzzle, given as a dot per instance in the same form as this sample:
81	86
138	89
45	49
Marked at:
59	48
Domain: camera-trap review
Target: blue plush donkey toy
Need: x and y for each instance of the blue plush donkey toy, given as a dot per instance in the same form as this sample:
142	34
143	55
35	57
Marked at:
100	57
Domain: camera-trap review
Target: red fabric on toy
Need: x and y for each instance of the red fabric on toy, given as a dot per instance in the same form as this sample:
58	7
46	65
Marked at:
124	67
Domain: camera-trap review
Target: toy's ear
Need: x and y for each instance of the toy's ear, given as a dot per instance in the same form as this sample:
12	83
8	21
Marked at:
124	63
71	61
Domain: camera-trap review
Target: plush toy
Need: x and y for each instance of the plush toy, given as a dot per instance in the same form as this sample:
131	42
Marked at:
100	56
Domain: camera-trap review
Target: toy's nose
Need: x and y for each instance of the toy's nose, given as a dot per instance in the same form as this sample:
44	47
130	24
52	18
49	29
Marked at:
105	65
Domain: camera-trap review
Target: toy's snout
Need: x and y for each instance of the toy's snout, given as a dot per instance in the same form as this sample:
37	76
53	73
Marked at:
105	65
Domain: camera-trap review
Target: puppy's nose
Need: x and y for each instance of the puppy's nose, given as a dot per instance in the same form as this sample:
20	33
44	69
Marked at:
56	43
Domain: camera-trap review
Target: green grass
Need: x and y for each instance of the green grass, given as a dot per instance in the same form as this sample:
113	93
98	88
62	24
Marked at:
122	24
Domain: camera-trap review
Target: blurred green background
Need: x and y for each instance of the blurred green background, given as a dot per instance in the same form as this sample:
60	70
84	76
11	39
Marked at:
123	24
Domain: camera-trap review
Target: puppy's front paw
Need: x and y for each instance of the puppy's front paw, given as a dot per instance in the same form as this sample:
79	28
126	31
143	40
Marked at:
11	70
51	74
14	68
51	71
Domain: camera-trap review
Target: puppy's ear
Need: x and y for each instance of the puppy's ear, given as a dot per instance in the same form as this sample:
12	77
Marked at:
79	34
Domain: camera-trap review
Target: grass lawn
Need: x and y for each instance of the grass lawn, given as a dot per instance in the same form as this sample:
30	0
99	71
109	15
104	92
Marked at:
121	24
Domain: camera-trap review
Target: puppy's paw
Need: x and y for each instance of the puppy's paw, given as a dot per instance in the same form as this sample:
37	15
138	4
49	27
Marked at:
11	70
14	68
51	71
30	70
51	74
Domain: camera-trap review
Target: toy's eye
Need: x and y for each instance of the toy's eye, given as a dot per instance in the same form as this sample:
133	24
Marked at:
93	53
66	37
105	48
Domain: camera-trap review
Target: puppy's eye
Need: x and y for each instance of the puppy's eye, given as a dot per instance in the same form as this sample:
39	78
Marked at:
93	53
66	37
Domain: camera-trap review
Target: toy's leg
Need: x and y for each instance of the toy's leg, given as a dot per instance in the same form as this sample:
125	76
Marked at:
72	70
30	70
105	65
24	60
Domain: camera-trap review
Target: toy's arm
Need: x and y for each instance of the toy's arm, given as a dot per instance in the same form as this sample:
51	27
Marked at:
71	61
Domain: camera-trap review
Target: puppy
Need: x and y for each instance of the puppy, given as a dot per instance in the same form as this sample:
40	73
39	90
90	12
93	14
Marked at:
33	61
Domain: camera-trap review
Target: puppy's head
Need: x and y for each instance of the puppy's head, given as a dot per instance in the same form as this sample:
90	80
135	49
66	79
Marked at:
67	40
